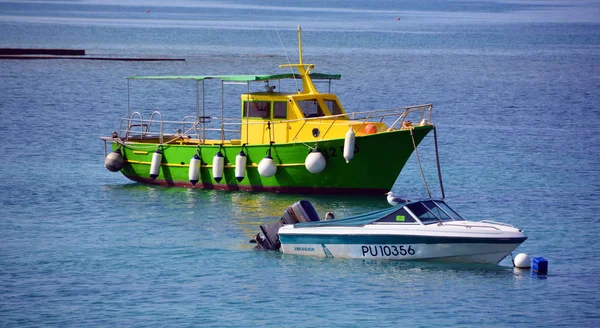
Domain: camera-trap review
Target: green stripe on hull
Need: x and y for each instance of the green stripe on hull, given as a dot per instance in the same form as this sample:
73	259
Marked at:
388	240
377	162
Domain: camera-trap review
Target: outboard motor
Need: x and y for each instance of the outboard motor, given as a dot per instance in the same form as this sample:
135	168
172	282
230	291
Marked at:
268	238
301	211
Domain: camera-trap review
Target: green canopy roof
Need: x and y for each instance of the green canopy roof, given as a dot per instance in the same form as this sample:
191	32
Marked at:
239	78
356	220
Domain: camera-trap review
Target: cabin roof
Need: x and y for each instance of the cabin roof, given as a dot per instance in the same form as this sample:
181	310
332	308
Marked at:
238	78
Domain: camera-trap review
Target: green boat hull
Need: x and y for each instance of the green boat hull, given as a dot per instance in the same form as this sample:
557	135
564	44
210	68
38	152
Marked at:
377	162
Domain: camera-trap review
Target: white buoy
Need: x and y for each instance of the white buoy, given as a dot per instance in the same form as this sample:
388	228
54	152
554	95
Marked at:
240	166
315	162
267	167
349	145
522	261
114	161
194	171
155	165
217	166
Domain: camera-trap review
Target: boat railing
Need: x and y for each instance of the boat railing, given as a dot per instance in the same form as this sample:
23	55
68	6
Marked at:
215	129
128	126
195	124
190	127
157	113
482	225
399	118
498	223
136	120
471	225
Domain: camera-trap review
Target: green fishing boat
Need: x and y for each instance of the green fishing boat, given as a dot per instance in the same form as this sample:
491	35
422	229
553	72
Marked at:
301	141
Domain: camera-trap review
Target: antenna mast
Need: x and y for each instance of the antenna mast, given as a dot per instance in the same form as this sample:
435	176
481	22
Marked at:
303	69
300	43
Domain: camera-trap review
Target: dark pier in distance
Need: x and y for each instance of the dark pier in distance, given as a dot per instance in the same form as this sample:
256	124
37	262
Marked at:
54	52
28	53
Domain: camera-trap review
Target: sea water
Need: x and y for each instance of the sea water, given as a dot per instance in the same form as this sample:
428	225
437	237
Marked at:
515	89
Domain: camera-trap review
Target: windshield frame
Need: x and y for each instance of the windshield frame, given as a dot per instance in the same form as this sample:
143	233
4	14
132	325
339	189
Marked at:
439	214
412	207
453	215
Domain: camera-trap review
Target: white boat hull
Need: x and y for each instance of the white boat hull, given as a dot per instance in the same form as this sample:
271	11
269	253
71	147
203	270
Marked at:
392	234
463	241
465	253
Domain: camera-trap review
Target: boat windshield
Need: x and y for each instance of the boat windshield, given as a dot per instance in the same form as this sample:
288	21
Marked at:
431	211
448	210
437	211
423	213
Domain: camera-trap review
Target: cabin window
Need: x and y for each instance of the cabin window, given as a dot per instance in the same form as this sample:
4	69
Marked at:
261	109
310	108
279	109
399	216
334	109
422	213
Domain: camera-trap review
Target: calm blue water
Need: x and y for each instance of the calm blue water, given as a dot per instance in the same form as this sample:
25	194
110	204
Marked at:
515	87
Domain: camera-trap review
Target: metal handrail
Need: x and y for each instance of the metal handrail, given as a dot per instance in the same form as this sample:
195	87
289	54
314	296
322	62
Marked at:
222	124
130	125
160	136
470	226
498	223
197	121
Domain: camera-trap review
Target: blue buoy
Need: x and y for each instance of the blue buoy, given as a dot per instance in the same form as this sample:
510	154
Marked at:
539	265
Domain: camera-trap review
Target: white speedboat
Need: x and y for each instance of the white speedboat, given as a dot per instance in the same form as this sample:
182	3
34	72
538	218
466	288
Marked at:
418	230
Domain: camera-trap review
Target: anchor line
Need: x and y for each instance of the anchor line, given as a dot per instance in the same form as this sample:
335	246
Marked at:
437	159
419	161
296	141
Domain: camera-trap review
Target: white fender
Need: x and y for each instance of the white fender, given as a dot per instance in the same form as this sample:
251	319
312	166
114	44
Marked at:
522	261
155	165
240	166
114	161
315	162
349	145
267	167
217	166
194	172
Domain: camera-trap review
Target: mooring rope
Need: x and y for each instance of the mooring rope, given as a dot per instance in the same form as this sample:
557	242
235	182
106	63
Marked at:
419	161
437	159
